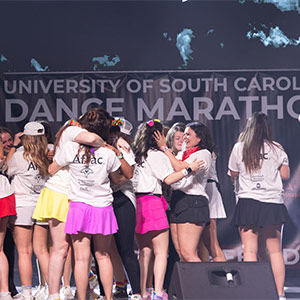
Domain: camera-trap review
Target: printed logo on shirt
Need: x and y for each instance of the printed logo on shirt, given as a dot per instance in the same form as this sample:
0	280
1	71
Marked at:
263	156
80	160
86	171
32	166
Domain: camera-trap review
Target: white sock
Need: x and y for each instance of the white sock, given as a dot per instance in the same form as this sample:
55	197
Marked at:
3	294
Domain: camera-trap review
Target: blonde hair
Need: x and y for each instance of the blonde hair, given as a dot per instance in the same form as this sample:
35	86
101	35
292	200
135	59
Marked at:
36	150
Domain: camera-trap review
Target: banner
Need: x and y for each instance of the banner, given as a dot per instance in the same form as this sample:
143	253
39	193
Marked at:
223	100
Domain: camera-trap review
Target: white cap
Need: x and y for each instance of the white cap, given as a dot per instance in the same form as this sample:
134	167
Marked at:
125	126
33	129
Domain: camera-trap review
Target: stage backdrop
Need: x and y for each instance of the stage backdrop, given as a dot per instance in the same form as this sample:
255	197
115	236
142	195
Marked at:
223	100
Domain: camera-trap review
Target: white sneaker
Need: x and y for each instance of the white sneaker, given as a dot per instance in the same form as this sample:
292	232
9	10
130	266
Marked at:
24	297
68	293
41	293
7	297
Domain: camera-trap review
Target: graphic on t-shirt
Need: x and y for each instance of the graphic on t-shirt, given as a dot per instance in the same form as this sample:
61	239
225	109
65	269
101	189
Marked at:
86	171
39	184
257	179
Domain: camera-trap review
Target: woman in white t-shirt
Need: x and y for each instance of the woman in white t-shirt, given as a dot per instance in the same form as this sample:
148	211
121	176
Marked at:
28	166
91	214
189	201
7	208
260	164
53	203
152	227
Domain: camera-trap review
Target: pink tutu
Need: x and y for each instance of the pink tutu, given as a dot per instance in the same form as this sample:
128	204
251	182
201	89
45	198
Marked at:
150	213
89	219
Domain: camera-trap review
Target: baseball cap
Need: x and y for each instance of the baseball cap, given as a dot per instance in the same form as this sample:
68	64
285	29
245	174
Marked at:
125	126
33	129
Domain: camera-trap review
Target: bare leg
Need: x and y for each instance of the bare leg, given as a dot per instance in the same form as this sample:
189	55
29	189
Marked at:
273	243
174	235
58	254
68	269
202	250
82	252
145	246
3	259
119	273
188	238
210	239
40	248
101	246
249	237
23	240
160	242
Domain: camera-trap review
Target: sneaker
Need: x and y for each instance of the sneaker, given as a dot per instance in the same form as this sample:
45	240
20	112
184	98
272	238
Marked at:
136	297
93	282
120	292
67	292
41	293
147	296
282	297
7	297
162	296
17	296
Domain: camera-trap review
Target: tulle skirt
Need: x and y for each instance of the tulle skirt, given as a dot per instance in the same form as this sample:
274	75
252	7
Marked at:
91	220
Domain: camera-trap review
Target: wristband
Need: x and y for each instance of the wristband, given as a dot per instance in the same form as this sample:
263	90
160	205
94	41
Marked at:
14	146
120	156
164	148
185	172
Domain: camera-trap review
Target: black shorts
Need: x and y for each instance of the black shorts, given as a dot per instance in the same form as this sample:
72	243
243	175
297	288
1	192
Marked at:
188	208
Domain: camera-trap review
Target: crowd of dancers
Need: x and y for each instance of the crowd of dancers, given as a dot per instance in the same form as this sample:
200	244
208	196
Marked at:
97	193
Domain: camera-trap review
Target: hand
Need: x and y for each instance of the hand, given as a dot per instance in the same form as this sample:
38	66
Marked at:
17	139
122	145
197	165
108	146
160	139
50	155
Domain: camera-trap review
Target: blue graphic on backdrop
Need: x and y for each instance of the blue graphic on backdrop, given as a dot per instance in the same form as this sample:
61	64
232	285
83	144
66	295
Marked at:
3	58
276	37
104	61
37	66
183	44
283	5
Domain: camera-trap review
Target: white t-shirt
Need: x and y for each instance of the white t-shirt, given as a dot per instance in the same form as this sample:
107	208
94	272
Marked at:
59	182
127	187
148	176
27	182
89	183
5	187
264	185
194	183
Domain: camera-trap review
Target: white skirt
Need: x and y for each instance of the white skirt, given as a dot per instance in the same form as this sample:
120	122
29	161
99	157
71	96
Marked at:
215	202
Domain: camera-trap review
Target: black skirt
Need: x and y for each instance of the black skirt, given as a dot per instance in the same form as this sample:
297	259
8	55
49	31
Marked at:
250	212
188	208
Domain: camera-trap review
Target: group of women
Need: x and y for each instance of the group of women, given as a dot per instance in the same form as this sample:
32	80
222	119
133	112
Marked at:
101	192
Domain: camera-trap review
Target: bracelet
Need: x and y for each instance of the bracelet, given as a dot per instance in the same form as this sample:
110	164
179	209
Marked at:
120	156
164	148
14	146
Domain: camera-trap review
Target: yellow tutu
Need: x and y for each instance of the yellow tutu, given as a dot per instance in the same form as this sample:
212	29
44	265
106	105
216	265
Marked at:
51	205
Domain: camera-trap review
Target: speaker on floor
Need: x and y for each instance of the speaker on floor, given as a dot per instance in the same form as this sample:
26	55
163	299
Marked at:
222	280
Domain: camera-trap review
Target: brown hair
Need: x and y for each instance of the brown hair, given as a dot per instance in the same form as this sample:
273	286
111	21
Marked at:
36	150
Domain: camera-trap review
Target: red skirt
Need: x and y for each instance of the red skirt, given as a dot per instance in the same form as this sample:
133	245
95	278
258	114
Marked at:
8	206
